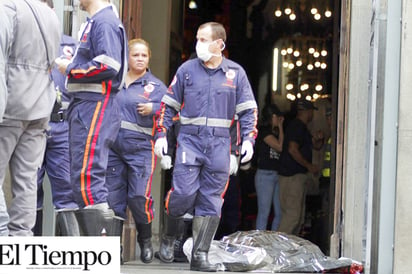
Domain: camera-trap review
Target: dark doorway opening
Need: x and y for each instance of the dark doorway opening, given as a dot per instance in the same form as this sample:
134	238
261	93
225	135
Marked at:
290	50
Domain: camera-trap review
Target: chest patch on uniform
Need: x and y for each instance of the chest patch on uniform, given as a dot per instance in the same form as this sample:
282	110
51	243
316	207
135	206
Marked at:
148	88
230	74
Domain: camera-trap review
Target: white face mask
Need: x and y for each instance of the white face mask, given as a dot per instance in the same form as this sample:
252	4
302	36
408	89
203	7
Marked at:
202	51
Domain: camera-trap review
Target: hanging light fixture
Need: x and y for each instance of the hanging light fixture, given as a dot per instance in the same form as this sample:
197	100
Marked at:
192	5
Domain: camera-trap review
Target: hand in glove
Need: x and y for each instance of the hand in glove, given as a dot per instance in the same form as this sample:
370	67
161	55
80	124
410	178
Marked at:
246	152
166	162
233	164
160	147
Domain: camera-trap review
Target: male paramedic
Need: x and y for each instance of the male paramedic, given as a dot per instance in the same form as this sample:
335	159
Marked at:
94	76
207	91
31	45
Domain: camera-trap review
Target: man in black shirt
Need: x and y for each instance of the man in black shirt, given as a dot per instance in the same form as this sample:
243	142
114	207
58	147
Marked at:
296	163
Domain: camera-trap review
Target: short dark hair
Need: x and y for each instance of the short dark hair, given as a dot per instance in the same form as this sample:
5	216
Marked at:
218	31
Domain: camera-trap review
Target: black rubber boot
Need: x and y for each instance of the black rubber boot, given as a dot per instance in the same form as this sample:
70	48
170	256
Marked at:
66	224
171	228
99	222
179	255
144	238
38	226
204	229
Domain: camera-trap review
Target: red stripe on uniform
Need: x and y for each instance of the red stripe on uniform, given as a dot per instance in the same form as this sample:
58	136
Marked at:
96	135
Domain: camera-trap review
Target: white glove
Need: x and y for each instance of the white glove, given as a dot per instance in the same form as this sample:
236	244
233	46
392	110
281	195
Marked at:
246	152
233	164
166	162
160	147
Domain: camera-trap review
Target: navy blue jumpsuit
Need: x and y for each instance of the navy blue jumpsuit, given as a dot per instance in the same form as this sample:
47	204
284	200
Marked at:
207	100
56	159
94	77
131	159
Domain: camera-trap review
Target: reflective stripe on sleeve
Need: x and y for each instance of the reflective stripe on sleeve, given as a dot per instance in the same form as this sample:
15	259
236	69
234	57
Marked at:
246	105
171	102
104	59
98	88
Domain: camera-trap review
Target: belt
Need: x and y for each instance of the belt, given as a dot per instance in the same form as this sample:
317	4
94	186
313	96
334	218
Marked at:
58	116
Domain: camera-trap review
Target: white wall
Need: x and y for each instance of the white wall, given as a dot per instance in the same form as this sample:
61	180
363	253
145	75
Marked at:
403	221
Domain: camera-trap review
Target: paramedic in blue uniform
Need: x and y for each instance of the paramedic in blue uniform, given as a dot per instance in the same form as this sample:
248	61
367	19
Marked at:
94	76
207	91
56	158
131	158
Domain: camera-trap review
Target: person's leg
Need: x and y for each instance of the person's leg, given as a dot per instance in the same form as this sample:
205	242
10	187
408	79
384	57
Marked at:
10	132
93	128
181	197
291	199
57	165
140	201
230	219
24	164
214	179
276	205
264	185
38	226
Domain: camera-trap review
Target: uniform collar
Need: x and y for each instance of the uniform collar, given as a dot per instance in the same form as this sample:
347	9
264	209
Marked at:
224	65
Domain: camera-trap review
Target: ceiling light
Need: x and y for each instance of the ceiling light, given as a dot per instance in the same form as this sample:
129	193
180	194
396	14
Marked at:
288	11
192	5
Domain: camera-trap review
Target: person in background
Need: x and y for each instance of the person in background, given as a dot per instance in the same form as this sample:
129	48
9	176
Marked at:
326	191
268	149
207	92
296	162
56	158
94	76
131	158
32	48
